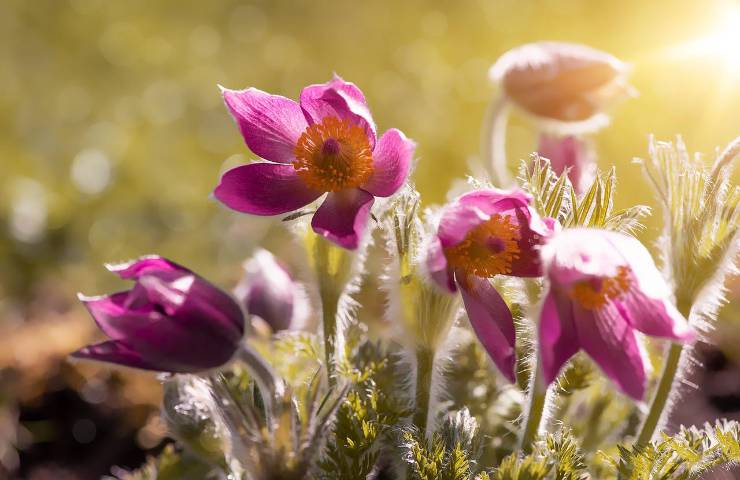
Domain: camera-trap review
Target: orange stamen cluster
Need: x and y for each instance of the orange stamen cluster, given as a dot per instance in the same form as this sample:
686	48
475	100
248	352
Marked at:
487	250
333	155
595	293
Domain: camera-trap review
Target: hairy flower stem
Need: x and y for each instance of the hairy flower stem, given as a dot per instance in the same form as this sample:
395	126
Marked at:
665	386
493	141
537	398
268	382
329	294
424	373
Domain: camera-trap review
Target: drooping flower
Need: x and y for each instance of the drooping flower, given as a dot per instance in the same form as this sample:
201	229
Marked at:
564	82
172	320
324	143
604	286
482	234
569	152
270	293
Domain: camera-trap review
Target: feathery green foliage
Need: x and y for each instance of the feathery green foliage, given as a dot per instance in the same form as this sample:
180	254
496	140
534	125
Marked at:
554	196
685	456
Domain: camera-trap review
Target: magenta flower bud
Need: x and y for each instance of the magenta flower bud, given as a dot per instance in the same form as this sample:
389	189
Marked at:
482	234
569	152
566	82
325	143
172	320
270	293
603	287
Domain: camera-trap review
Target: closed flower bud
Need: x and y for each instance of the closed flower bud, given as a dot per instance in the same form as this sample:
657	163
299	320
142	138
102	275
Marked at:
172	320
564	82
267	291
572	153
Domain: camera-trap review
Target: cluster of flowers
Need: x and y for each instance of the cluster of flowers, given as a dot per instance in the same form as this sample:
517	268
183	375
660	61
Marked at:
601	287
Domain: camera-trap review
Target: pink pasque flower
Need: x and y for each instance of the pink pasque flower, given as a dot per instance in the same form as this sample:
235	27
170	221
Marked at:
482	234
569	152
603	287
565	82
326	142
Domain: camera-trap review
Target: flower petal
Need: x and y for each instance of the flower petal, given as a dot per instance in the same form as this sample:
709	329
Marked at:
558	337
340	99
658	318
437	266
264	189
579	254
473	208
144	265
342	217
391	163
115	315
533	231
610	340
270	124
492	322
115	352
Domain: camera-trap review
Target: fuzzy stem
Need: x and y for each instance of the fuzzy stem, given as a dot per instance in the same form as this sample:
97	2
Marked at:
665	385
537	398
424	373
493	141
329	300
268	382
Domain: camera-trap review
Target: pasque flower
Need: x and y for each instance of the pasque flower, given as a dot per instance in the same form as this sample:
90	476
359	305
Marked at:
172	320
326	142
566	82
270	293
604	286
572	153
482	234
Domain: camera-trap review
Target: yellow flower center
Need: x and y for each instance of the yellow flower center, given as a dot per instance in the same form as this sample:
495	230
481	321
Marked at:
595	293
488	249
333	155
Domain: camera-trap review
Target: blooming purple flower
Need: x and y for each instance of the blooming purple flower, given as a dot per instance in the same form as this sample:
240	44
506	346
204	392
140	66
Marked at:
566	82
569	152
268	292
482	234
172	320
324	143
603	287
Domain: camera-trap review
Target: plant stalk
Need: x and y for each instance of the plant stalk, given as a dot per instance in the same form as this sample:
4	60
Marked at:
493	141
424	373
329	299
537	398
665	385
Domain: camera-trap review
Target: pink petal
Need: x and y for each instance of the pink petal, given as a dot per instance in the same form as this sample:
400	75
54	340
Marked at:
342	217
473	208
144	265
658	318
610	340
115	352
270	124
437	266
580	254
339	99
558	337
115	316
533	232
264	189
492	322
391	162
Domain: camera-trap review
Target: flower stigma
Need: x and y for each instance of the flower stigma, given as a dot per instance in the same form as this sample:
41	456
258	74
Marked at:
596	292
487	250
333	155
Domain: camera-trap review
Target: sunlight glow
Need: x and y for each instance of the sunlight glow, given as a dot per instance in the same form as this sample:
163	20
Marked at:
722	45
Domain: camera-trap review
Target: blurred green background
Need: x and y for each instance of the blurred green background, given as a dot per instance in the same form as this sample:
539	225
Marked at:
113	133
